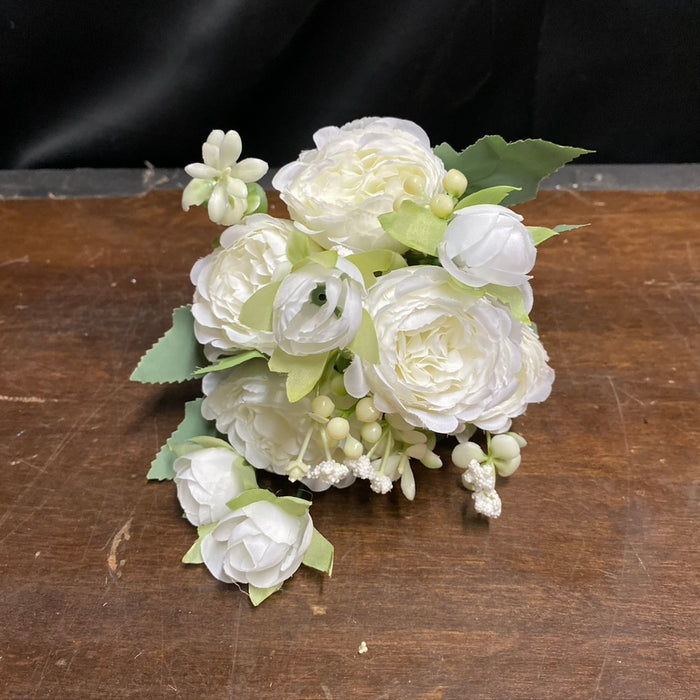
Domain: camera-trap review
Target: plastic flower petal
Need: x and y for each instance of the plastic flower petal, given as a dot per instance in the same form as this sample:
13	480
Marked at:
220	180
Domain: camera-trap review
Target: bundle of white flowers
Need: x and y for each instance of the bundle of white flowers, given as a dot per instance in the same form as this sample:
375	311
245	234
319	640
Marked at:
390	310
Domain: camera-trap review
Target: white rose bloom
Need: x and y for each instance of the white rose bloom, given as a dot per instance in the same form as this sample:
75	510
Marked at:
488	244
251	255
446	357
337	191
260	544
249	404
535	384
207	479
220	179
318	309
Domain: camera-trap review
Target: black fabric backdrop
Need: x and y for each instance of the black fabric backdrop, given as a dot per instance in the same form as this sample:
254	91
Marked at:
114	84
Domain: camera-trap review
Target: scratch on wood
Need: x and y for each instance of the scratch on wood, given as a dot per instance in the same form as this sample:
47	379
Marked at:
620	413
23	259
25	399
112	564
234	652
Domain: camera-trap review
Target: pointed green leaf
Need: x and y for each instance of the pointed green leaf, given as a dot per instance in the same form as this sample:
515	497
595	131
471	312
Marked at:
511	296
296	507
563	228
251	496
490	195
298	246
327	258
414	227
206	441
376	261
229	362
194	553
258	595
303	372
320	554
192	426
256	312
540	234
365	343
491	161
175	357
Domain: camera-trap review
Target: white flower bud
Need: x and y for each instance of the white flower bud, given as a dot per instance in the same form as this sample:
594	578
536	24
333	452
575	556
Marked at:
504	447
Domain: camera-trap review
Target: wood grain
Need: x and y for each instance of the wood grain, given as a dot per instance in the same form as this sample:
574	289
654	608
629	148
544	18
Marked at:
587	587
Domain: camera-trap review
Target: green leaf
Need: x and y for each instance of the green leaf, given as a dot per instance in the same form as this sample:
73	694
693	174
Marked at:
376	261
192	426
490	195
251	496
296	507
365	342
511	296
298	246
229	362
256	312
320	554
415	227
303	372
174	357
540	234
258	595
207	441
194	553
257	199
563	228
491	161
327	258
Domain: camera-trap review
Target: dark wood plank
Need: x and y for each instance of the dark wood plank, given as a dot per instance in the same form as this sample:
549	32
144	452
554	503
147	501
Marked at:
587	587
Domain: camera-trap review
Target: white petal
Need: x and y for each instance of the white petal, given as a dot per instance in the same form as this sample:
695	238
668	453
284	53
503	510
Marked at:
249	169
216	136
230	149
218	204
196	193
236	188
201	171
210	155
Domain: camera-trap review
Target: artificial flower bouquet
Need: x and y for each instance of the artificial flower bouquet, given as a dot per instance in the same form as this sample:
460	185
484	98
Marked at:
339	345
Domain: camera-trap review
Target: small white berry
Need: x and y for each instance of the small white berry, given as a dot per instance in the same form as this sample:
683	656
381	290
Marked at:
322	406
455	182
352	448
366	411
442	205
371	432
338	428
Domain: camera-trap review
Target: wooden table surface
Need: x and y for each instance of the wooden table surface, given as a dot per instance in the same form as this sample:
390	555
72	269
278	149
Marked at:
586	587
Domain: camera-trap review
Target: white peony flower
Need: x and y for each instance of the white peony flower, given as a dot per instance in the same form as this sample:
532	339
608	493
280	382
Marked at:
262	544
251	255
488	244
249	404
220	179
337	191
535	380
206	480
318	309
446	357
